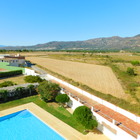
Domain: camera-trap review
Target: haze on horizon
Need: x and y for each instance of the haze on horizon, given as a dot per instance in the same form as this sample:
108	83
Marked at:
30	22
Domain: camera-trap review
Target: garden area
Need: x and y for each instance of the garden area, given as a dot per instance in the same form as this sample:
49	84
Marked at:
47	96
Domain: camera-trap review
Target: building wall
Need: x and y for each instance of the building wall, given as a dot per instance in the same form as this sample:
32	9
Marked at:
14	62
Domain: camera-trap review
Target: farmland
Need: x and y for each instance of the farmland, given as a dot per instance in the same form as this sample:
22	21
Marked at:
100	78
118	62
102	74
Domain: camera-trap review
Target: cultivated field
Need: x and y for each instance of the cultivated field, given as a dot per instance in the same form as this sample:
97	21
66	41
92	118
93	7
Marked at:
100	78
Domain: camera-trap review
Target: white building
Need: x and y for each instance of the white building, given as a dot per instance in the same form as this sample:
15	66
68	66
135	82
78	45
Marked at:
13	60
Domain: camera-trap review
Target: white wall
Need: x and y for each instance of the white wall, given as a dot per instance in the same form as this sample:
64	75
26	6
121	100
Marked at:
119	135
99	100
30	72
73	103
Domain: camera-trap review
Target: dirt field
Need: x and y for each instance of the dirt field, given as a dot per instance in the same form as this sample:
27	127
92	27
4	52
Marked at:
100	78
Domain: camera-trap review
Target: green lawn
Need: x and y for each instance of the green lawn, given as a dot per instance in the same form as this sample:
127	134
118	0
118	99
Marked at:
4	65
53	108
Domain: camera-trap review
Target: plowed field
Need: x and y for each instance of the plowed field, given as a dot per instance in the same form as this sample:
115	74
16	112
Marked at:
100	78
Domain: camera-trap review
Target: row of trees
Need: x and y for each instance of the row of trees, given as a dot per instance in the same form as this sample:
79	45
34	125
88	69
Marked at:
17	93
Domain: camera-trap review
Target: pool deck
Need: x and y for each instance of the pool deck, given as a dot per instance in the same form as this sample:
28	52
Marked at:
63	129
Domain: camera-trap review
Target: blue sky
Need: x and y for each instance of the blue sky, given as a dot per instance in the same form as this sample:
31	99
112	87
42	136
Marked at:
29	22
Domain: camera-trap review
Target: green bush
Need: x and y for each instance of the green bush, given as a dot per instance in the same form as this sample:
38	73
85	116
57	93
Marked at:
32	79
130	71
135	63
17	93
84	116
48	90
62	98
10	73
4	95
31	89
6	84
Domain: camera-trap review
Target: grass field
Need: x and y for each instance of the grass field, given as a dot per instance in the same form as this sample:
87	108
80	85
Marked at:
100	78
16	79
4	65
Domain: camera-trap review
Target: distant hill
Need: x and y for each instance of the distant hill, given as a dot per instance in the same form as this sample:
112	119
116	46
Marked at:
105	43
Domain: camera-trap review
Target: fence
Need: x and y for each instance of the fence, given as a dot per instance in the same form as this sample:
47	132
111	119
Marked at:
128	133
99	100
30	72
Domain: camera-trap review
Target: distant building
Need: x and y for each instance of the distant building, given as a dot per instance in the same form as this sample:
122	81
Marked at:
13	60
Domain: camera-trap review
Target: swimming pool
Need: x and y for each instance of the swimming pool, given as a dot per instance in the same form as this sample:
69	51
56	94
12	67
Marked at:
23	125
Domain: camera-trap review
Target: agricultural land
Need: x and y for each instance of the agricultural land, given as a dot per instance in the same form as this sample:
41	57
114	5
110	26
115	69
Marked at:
103	72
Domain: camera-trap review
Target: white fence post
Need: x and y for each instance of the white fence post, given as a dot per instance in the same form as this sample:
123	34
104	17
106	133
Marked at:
92	108
78	100
113	121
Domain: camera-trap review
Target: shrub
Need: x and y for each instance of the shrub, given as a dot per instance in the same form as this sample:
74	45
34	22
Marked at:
31	89
17	93
6	84
135	63
10	73
32	79
4	95
48	90
84	116
130	71
62	98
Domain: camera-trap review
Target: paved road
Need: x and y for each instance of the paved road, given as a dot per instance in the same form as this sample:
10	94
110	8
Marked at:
39	70
43	73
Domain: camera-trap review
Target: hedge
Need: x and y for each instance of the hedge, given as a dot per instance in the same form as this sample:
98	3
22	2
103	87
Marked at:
6	84
32	79
10	73
17	93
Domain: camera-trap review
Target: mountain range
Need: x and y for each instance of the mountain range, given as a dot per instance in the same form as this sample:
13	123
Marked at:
104	43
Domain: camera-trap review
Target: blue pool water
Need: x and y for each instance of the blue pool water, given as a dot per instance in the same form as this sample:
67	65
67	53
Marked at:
23	125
